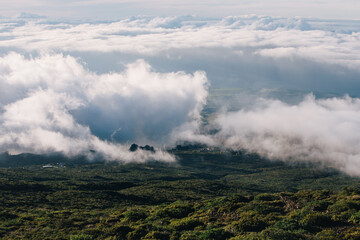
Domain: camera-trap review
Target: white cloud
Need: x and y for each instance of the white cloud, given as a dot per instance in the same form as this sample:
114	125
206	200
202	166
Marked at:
54	104
328	42
320	130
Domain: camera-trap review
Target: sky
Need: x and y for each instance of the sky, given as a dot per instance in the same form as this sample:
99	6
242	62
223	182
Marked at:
110	9
92	77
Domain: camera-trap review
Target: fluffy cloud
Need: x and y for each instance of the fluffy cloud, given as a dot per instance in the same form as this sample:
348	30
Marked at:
53	104
322	130
330	42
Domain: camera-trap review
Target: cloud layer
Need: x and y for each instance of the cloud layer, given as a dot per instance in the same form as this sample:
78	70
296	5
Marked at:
53	104
330	42
105	98
315	130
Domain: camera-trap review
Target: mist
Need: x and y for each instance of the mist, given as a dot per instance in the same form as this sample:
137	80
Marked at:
314	130
94	88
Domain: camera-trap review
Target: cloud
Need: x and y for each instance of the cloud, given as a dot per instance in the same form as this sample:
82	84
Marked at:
315	130
52	103
322	41
25	15
237	51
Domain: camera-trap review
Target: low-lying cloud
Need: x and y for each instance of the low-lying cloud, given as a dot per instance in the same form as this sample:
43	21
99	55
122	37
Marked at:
323	41
104	100
315	130
52	103
237	51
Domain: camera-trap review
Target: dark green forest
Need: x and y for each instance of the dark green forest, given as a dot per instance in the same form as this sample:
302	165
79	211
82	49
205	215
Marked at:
204	195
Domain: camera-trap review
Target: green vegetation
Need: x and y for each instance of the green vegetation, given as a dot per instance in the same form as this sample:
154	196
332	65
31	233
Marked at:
205	195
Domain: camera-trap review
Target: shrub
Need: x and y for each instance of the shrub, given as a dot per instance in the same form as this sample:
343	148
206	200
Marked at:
81	237
120	231
215	234
140	232
287	224
350	190
175	211
280	234
187	236
135	215
351	233
186	224
355	218
239	198
157	235
327	234
266	197
317	220
269	207
319	206
250	223
342	206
